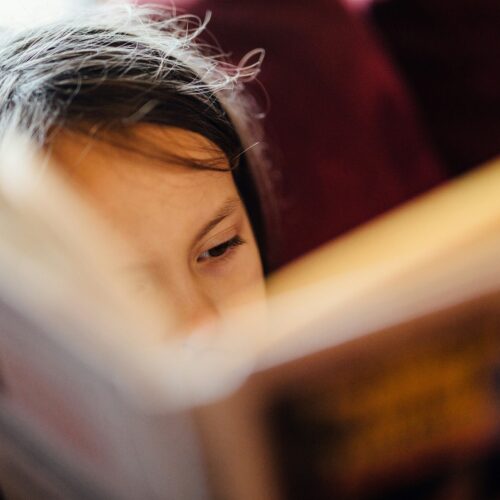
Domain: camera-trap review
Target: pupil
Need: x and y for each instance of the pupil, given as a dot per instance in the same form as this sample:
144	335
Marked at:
218	250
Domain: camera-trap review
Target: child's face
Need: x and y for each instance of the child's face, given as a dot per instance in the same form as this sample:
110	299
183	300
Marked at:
189	226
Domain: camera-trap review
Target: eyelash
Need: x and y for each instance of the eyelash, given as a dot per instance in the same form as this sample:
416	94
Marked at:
221	250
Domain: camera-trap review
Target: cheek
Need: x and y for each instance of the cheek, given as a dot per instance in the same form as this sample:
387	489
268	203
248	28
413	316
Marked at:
251	284
249	263
251	266
242	272
240	269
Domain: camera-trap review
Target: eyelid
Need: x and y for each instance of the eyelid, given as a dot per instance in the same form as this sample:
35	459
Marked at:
219	238
227	246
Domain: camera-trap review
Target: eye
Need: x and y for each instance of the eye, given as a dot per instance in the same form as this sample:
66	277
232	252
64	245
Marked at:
220	250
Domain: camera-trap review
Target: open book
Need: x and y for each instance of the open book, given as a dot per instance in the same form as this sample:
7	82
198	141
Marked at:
372	372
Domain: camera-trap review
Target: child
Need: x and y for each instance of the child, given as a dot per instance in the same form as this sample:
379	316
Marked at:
154	130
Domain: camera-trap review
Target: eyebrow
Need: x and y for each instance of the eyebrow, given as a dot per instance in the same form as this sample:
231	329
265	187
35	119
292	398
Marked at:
224	211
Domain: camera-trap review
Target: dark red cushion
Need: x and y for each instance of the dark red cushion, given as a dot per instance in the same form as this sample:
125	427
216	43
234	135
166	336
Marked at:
449	54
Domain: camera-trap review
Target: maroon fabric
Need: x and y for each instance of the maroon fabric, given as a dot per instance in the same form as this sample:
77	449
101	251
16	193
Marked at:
449	54
344	134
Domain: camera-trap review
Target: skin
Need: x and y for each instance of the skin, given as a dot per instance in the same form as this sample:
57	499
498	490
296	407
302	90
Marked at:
189	227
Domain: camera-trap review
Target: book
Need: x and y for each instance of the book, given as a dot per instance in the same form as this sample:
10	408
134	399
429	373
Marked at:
372	370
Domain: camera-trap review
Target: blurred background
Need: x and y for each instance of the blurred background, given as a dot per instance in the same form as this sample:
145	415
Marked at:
21	13
370	102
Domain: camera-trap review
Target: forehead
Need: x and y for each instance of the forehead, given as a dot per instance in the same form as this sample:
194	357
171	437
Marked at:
138	190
